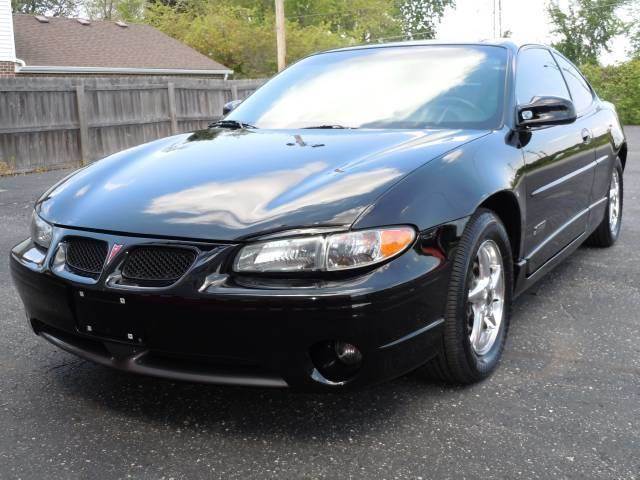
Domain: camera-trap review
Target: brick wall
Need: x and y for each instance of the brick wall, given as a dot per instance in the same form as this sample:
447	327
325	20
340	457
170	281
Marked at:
7	69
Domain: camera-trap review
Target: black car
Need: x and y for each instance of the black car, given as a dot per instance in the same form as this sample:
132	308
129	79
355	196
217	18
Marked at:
368	211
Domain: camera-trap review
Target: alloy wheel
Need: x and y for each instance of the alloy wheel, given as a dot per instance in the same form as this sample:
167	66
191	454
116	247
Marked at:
486	298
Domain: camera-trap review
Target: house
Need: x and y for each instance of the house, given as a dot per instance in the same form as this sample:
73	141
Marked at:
44	46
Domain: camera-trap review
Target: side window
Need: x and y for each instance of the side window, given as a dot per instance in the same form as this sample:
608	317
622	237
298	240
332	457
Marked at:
579	88
537	75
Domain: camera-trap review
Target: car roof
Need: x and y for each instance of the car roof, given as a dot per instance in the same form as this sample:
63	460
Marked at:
508	43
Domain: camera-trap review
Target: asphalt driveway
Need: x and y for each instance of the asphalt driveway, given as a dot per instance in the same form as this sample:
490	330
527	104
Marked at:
565	402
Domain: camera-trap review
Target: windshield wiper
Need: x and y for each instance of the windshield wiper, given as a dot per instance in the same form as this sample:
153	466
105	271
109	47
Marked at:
231	124
337	127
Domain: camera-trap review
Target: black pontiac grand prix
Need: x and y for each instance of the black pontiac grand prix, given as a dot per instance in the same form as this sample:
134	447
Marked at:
367	212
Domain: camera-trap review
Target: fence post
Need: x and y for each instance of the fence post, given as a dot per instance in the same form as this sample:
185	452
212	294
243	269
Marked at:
83	137
234	91
171	90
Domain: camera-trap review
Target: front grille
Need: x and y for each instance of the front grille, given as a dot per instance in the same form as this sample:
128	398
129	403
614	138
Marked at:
155	263
86	256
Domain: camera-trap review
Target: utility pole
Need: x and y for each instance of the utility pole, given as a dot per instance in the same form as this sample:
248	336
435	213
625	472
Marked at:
493	17
281	43
500	18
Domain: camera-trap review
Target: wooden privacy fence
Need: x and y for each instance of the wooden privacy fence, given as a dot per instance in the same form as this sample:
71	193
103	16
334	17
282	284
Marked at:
48	123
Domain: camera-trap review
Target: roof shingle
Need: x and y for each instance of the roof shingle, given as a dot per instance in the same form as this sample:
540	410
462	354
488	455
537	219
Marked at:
65	42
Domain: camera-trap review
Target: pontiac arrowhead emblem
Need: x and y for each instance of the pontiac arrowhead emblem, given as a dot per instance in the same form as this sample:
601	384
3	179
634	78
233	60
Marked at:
114	251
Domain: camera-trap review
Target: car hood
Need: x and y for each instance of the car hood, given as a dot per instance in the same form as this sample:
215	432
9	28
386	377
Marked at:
228	185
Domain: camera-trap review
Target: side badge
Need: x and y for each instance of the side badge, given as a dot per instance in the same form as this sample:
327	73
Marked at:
539	228
114	251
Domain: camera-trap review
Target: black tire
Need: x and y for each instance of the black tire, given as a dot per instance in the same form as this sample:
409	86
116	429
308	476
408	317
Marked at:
604	236
458	362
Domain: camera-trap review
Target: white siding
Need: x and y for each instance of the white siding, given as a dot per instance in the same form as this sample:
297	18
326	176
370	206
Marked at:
7	46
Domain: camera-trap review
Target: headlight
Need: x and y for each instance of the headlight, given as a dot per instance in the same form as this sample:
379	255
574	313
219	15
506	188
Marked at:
340	251
41	231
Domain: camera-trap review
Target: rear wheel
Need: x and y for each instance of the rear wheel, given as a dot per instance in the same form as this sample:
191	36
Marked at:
478	303
609	229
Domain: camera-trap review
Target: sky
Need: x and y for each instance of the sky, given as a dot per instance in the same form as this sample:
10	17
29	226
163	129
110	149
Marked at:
527	20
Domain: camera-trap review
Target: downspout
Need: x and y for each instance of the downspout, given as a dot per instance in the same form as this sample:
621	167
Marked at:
20	64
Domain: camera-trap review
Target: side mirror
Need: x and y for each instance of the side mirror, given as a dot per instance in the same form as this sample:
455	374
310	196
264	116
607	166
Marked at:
546	111
232	105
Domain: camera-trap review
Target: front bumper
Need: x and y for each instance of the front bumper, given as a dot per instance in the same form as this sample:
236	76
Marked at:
211	327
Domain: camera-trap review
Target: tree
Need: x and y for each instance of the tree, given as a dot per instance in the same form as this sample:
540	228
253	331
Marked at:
359	21
55	8
101	9
128	10
131	10
241	34
421	17
362	20
618	84
634	28
635	44
585	28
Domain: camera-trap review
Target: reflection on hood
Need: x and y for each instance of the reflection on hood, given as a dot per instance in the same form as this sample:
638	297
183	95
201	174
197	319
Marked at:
260	198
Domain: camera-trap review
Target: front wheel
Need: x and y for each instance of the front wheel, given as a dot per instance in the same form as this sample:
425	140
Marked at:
478	303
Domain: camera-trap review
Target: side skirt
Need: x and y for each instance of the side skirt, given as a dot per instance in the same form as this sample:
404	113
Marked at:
523	282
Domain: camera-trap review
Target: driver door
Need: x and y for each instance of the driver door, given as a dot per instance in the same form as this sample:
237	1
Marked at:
559	165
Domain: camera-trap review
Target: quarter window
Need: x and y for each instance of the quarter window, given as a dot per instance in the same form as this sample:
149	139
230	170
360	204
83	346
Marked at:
538	75
578	86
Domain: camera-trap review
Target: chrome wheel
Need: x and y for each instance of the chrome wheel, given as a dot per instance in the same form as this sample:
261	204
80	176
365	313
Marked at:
486	298
614	202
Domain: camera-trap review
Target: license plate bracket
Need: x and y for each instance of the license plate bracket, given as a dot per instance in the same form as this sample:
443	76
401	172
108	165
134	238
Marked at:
107	316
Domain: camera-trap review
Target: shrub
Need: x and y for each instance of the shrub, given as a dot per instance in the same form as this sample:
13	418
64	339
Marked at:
620	85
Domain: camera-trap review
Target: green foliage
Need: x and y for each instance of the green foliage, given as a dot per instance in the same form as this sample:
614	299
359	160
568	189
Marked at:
618	84
585	28
421	17
240	37
359	19
131	10
56	8
633	30
101	9
241	33
128	10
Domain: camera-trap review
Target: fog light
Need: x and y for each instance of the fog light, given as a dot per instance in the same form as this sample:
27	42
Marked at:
61	254
336	360
60	258
347	353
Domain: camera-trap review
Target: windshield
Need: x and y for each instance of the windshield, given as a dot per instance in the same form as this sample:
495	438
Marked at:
388	87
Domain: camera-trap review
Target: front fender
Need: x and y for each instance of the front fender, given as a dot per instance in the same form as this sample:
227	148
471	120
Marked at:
452	186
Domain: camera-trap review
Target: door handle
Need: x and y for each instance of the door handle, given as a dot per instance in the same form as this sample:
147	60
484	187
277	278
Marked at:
586	136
